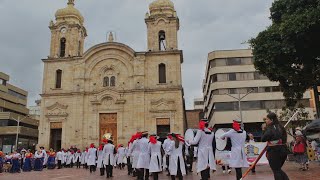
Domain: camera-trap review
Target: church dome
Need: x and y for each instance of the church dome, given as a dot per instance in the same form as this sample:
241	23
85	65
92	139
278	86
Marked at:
162	7
69	12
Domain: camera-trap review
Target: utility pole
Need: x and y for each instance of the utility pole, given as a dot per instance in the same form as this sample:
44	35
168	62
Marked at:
239	99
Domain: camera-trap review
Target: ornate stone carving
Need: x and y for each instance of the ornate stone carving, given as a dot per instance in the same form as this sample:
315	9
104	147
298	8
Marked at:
162	105
57	112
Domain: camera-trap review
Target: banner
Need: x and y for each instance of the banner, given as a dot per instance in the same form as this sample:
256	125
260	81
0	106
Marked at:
253	150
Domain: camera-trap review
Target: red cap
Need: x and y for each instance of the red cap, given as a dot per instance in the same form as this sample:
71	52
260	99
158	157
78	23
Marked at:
92	145
153	139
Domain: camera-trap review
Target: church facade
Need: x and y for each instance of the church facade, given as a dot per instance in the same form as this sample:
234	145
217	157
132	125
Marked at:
110	89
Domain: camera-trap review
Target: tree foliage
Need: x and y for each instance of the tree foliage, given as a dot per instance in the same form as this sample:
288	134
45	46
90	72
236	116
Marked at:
288	51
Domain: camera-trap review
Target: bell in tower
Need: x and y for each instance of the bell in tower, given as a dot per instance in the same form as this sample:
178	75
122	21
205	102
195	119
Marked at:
163	25
67	33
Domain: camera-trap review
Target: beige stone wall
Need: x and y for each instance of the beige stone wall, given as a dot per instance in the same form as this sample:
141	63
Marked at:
138	98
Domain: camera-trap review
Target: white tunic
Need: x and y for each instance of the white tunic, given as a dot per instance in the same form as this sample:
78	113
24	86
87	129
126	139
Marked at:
100	159
69	158
135	151
144	155
175	154
205	151
155	160
45	155
121	155
60	156
83	157
91	156
76	157
108	153
64	154
38	156
238	157
165	147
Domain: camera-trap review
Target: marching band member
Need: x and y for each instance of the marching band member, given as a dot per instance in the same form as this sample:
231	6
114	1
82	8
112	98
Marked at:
91	155
109	152
83	158
129	155
155	161
144	157
206	160
176	161
121	155
238	157
38	164
76	158
165	147
68	158
51	159
100	164
135	151
60	158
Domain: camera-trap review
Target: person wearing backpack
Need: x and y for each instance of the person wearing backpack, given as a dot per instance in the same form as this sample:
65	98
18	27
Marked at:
299	151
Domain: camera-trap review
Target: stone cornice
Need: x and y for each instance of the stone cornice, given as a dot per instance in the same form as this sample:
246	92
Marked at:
121	91
62	59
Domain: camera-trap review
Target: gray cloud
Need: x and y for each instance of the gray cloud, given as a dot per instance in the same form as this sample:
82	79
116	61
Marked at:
206	25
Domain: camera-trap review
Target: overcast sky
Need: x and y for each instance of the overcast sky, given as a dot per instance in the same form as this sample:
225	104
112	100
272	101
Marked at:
205	25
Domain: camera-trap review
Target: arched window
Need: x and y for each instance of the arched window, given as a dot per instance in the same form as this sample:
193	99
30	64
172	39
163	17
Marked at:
58	78
162	40
113	81
162	73
63	47
106	81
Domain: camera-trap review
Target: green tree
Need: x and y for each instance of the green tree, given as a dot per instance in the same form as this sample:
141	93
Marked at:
288	51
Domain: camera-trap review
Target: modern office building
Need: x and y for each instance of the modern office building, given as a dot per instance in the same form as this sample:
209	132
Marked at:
232	73
198	103
13	101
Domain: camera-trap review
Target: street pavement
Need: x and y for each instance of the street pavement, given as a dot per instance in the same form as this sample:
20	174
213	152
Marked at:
263	172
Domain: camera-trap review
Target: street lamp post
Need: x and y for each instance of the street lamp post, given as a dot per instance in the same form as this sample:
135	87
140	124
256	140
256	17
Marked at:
239	98
17	133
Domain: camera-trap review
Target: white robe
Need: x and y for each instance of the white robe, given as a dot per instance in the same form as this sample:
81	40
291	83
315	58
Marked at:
165	146
91	155
121	155
238	157
64	154
205	150
155	160
135	149
69	158
144	155
100	159
108	153
59	156
76	157
176	153
83	157
45	155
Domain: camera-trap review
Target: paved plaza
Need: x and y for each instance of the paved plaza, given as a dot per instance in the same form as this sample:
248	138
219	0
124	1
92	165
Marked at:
263	172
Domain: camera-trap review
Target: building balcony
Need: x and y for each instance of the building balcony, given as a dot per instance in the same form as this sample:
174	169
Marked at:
14	116
13	107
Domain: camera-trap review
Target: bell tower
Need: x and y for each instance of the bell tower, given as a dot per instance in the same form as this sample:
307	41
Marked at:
67	33
162	26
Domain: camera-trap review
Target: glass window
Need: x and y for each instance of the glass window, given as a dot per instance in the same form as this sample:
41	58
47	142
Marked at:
233	91
220	62
233	61
58	78
229	106
232	77
212	63
223	91
113	81
106	81
162	73
249	105
213	78
63	47
246	61
244	76
275	89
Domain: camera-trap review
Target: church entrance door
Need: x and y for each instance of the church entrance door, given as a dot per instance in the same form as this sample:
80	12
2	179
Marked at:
55	135
108	126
